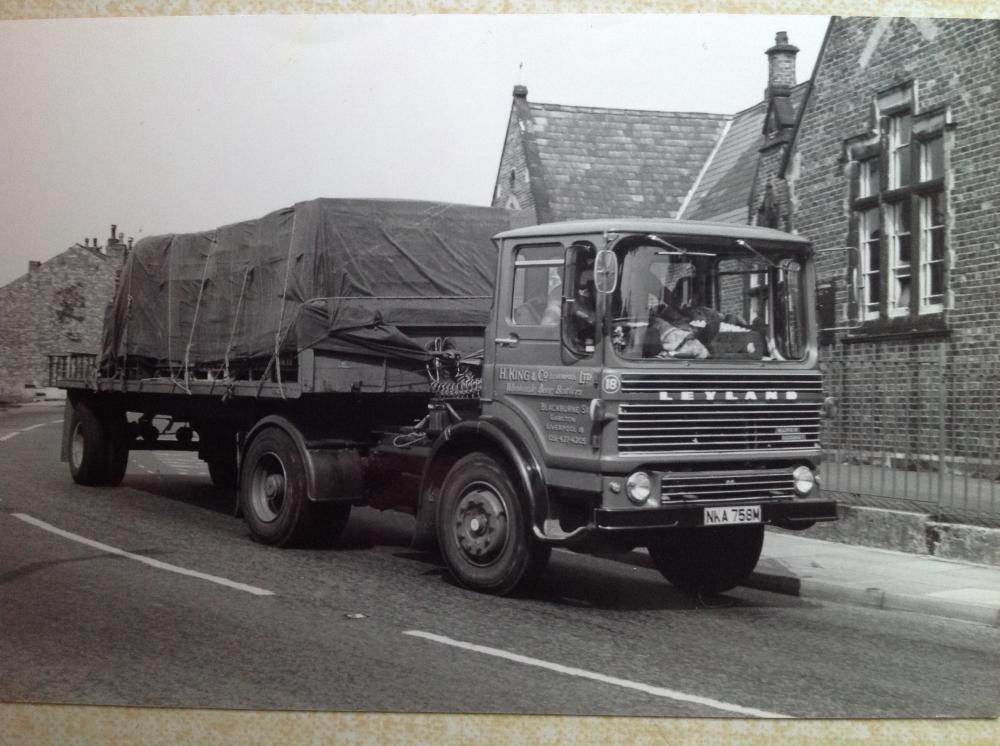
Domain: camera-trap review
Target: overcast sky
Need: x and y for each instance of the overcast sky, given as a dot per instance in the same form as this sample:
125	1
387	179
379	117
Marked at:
180	124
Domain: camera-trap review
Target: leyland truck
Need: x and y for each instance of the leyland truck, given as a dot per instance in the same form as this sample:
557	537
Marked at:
598	385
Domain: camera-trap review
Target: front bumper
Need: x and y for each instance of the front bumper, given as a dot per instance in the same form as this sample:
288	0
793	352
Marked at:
787	513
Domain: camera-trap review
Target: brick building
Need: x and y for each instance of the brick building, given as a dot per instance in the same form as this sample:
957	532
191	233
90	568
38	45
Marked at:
888	159
56	308
897	155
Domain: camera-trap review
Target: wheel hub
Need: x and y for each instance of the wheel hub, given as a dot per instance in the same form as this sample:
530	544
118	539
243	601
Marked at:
481	525
274	486
267	487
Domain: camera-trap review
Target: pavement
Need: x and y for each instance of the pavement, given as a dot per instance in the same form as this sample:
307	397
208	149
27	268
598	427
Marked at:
796	565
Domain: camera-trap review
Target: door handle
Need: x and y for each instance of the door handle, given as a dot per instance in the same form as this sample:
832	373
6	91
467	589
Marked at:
510	341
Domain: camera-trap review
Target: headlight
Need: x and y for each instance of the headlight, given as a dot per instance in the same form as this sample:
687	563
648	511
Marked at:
804	480
638	487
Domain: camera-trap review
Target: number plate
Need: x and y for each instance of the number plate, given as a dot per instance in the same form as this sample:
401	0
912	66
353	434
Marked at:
725	516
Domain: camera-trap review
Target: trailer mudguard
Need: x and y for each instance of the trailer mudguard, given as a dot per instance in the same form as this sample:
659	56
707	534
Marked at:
333	472
484	433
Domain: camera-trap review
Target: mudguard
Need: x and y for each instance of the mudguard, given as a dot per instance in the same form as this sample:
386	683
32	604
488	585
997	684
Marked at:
331	473
466	437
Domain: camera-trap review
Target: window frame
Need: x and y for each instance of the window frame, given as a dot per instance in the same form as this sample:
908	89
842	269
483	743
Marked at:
928	143
926	238
872	277
899	152
520	263
899	234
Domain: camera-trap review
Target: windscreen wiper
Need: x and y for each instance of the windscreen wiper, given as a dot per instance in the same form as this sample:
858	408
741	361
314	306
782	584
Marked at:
675	251
752	250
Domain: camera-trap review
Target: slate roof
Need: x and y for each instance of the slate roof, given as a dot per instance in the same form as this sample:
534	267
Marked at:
598	163
723	193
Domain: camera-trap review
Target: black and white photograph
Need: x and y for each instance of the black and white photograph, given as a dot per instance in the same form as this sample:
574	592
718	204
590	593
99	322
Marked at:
567	365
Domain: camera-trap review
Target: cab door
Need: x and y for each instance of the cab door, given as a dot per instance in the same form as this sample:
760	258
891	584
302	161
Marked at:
529	315
546	346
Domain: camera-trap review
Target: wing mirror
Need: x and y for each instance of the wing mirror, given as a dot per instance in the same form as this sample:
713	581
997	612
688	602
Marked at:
605	272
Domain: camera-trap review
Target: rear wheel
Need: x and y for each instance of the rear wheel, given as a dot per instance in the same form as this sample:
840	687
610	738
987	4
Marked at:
98	452
483	529
273	495
707	560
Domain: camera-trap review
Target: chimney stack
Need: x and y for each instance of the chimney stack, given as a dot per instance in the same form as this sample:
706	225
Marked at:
32	266
780	65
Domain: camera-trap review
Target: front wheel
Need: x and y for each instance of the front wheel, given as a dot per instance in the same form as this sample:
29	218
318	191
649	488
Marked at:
707	560
483	530
273	495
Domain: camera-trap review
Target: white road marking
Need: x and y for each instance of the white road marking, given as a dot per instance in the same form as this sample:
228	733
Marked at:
139	558
14	434
656	691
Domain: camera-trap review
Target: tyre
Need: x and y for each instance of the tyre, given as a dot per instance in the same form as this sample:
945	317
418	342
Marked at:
118	459
98	452
273	495
483	529
707	560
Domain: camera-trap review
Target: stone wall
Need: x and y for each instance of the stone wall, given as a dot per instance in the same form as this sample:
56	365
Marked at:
56	308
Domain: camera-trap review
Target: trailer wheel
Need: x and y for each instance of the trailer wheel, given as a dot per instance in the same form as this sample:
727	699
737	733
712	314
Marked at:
483	529
98	452
273	495
707	560
119	450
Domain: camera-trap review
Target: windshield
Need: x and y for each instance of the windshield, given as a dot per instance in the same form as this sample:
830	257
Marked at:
730	302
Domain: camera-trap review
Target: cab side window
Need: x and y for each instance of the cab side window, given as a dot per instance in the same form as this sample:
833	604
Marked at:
538	285
580	324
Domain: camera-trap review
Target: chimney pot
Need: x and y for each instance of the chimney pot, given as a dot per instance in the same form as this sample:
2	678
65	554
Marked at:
781	65
114	231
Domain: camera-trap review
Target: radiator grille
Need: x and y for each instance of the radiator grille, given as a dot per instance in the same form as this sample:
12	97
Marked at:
706	413
638	382
755	485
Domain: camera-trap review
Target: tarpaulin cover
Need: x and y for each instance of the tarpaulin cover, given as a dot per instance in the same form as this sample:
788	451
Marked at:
328	273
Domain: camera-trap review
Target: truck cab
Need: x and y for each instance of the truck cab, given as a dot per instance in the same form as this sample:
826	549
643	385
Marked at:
659	379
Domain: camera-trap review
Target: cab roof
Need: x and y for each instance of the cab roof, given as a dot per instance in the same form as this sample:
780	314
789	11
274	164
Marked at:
659	226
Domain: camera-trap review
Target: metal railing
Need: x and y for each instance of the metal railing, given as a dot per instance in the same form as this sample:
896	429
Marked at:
75	366
915	429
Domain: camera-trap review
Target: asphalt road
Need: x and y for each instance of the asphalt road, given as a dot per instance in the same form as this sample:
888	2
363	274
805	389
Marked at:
153	594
